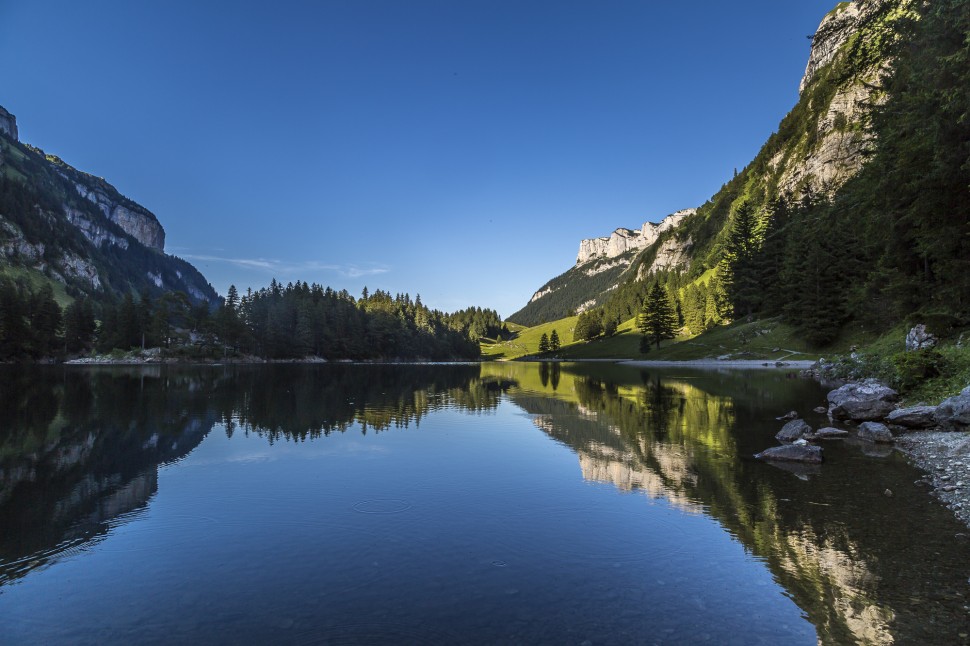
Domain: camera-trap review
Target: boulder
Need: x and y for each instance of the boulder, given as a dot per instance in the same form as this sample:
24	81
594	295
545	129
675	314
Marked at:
919	339
875	432
793	430
863	401
913	417
954	413
788	416
829	433
820	409
792	453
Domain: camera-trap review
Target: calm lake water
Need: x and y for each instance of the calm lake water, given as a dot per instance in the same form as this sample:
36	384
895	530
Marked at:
454	504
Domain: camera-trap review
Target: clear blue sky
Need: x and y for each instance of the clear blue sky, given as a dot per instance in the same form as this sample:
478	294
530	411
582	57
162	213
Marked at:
456	149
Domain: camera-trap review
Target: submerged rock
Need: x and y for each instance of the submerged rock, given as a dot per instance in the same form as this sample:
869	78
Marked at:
864	401
793	430
954	413
875	432
829	433
913	417
787	416
792	453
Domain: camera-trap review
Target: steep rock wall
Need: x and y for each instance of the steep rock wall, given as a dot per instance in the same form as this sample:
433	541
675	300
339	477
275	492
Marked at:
8	124
624	240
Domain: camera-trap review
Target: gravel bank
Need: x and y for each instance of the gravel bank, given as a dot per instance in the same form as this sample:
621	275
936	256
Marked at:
946	459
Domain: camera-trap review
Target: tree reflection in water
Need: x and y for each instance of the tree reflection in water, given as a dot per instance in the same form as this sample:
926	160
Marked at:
80	451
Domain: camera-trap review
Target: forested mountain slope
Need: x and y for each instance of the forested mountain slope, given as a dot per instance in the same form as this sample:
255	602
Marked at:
71	229
857	207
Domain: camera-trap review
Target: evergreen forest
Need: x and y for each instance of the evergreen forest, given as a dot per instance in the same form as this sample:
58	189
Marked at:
278	322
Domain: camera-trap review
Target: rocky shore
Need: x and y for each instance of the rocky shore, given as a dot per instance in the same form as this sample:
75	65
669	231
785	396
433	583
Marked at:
945	456
935	438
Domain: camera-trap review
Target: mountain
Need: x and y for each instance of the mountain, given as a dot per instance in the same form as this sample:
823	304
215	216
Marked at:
64	226
819	147
601	265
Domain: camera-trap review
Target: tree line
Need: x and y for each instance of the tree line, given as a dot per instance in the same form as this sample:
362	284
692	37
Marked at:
277	322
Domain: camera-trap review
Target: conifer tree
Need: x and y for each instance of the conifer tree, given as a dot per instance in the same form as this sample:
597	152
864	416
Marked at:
657	319
554	343
739	269
544	343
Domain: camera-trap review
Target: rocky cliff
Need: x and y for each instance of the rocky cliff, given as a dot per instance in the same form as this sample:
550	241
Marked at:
8	124
842	79
77	229
134	219
624	240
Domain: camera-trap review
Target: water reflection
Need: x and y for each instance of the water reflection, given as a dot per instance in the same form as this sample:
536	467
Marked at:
831	537
80	453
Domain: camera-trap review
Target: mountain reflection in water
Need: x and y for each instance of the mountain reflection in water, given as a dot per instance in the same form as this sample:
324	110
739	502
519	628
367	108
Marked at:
81	449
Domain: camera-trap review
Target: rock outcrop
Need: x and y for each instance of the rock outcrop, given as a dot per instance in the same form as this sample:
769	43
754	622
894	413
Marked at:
864	401
794	430
875	432
953	414
913	417
833	32
919	339
624	240
8	124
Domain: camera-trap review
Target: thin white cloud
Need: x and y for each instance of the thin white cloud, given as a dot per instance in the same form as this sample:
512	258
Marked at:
279	267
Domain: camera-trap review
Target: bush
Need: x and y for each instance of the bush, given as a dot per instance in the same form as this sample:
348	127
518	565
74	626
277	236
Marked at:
913	368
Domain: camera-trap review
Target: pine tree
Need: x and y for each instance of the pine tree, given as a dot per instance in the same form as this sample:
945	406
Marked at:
554	343
739	270
544	343
657	319
79	325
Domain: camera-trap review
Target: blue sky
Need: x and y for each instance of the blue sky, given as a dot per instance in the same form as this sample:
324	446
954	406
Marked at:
456	149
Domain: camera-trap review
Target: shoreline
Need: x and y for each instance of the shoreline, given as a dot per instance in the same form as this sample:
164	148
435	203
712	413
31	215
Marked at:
720	363
945	457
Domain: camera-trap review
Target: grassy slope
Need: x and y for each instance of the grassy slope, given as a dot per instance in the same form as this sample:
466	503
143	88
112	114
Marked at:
769	340
36	280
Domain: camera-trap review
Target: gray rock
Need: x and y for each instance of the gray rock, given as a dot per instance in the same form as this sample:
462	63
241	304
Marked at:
875	432
820	409
788	416
954	413
792	453
830	433
793	430
913	417
863	401
919	339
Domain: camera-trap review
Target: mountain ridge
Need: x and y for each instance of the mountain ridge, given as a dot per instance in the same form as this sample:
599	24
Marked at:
72	228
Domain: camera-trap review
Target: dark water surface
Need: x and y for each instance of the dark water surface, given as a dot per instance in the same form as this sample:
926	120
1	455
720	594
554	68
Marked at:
495	503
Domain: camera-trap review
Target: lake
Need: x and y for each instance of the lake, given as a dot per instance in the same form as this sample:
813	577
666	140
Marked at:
501	503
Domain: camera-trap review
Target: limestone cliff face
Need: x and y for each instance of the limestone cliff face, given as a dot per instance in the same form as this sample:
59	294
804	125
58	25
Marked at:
624	240
8	124
136	221
833	150
832	34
